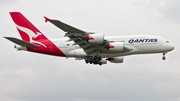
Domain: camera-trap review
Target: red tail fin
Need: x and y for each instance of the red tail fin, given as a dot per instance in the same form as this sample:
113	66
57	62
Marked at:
26	29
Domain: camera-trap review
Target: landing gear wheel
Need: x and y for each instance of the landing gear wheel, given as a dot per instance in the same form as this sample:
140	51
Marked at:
99	58
164	58
95	57
93	60
86	60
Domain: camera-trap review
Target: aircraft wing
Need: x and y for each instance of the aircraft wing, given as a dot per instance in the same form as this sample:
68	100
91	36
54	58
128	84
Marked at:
63	26
78	36
89	48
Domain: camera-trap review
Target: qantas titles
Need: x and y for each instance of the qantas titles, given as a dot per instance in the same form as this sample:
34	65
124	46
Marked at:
142	40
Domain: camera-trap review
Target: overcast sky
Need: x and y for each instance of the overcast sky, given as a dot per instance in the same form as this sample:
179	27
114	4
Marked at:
28	76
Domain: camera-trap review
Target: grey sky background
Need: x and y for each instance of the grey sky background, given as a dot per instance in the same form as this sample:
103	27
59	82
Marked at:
28	76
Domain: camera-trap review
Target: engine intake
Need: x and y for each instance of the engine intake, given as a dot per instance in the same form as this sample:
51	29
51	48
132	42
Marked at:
95	38
103	61
116	46
115	59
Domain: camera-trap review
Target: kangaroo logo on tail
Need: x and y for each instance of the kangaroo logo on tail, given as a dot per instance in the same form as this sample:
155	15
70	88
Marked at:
31	34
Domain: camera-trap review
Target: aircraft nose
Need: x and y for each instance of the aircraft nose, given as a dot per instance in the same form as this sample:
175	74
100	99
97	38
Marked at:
171	46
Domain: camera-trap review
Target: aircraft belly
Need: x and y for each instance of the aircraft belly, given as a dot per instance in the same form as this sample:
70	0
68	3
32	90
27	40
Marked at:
76	53
118	54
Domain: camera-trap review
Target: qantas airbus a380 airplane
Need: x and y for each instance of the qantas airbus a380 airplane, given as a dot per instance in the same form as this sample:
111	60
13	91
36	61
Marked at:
94	48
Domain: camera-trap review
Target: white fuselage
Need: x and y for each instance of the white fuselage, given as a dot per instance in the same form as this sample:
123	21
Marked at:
135	44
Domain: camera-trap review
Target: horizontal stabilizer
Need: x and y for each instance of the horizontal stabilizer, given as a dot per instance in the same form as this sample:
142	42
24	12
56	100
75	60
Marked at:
21	42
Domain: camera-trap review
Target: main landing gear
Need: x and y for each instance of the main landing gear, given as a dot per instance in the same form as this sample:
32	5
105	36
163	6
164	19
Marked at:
93	60
164	57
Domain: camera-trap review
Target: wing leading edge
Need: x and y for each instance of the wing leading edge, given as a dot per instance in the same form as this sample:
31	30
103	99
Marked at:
63	26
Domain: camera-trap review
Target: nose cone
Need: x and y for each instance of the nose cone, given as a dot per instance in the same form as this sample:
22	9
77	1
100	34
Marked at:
171	47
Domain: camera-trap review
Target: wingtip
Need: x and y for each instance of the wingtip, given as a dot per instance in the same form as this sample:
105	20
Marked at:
46	19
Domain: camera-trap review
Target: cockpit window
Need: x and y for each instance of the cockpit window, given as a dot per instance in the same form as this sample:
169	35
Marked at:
167	41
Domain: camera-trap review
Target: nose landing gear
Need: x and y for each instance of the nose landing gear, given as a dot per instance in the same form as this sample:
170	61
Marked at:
164	57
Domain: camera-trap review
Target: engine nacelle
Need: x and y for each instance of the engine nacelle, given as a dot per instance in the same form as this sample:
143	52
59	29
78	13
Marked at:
103	61
116	59
95	38
116	46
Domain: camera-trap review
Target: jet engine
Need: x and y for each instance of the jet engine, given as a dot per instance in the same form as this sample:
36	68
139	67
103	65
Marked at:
95	38
103	61
115	59
116	46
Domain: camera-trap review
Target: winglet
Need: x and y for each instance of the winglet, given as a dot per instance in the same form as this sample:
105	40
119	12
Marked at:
46	19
